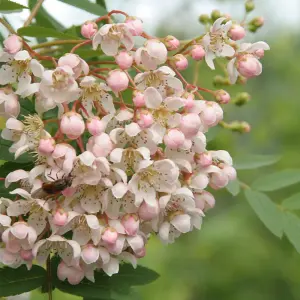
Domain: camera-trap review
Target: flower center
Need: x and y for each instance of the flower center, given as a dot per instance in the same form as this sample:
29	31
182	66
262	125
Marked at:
60	79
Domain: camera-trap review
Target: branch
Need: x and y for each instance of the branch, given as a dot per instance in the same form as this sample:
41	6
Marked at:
49	278
33	12
7	26
57	42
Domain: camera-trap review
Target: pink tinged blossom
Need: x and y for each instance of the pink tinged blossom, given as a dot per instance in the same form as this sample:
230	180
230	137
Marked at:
190	125
26	255
222	97
198	53
249	66
147	212
10	259
90	254
172	42
60	218
9	103
117	80
95	126
237	32
63	156
110	236
152	54
181	62
174	139
218	180
260	53
134	25
204	159
100	145
204	200
46	146
74	275
111	36
138	99
12	44
131	224
230	172
124	60
145	119
77	64
89	29
72	125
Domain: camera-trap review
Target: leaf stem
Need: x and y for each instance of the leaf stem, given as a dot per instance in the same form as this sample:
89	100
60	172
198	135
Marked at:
33	12
49	278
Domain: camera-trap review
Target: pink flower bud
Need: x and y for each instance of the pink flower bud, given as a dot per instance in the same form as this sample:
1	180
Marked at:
60	218
145	119
237	32
131	224
95	126
10	102
12	44
204	159
117	80
89	29
198	52
138	99
124	60
174	139
134	25
189	101
222	97
110	236
260	53
140	253
147	212
218	180
190	125
72	125
171	42
100	145
46	146
249	66
181	62
230	172
26	255
204	201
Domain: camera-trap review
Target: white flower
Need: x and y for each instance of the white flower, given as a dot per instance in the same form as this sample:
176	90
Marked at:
19	68
152	54
68	250
181	214
59	85
111	36
92	92
215	42
9	103
152	177
247	51
163	79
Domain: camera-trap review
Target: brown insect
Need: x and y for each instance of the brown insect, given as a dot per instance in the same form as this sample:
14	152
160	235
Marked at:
54	187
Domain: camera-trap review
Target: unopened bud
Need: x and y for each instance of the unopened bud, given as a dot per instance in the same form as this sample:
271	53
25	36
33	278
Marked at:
249	6
241	127
241	80
220	80
204	19
241	99
258	22
215	14
222	97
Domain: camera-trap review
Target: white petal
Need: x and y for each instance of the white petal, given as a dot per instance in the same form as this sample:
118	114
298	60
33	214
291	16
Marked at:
227	50
132	129
119	190
153	98
15	176
182	223
36	68
116	155
209	57
112	267
87	158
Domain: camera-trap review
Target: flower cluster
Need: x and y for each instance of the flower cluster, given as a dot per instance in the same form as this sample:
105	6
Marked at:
125	154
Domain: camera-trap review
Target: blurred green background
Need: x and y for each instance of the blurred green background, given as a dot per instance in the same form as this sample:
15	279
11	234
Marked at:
233	256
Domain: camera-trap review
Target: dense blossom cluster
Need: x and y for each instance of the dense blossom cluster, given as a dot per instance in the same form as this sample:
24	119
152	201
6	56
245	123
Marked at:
113	171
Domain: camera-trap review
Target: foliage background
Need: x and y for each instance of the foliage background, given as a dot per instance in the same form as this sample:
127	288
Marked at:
234	257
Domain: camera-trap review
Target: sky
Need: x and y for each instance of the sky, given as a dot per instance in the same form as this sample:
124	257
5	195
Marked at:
278	13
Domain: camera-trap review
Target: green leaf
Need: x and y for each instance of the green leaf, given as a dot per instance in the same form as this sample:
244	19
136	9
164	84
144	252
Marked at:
254	161
276	181
292	202
101	3
12	166
44	19
10	6
291	224
233	187
20	280
38	32
87	6
27	107
266	210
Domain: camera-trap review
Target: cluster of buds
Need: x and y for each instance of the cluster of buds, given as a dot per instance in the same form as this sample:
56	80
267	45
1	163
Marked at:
117	169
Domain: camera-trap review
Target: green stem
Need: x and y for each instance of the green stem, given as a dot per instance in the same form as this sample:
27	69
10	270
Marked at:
57	42
49	278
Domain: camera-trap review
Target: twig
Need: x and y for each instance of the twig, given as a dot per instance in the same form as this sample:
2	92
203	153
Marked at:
33	12
80	45
97	75
8	27
56	42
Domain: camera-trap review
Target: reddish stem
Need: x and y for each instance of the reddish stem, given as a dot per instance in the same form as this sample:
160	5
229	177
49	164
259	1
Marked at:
101	69
83	109
2	178
106	17
130	79
104	62
97	75
80	144
117	12
80	45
